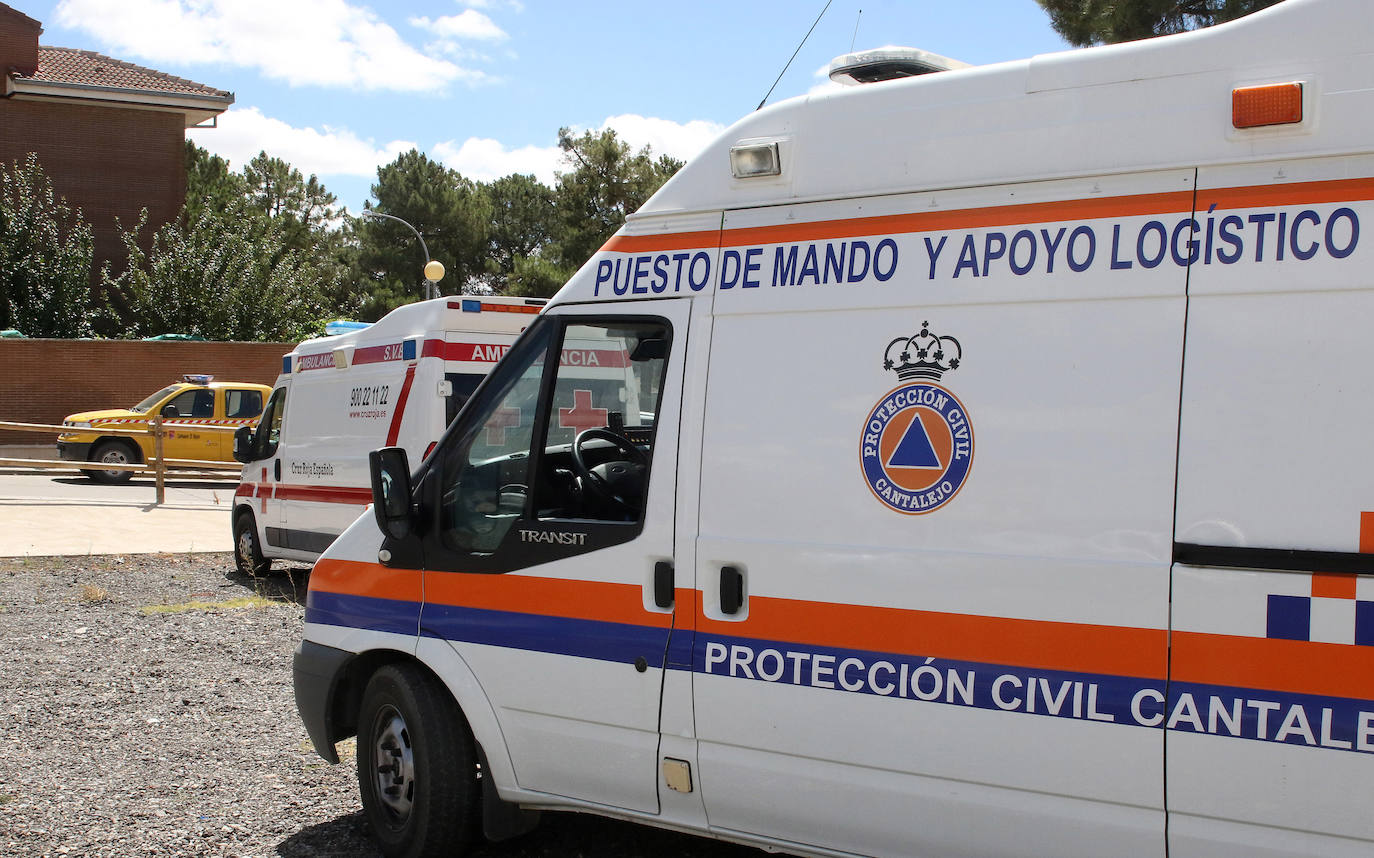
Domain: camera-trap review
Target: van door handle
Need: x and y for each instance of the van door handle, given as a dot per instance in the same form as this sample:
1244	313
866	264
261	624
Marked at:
276	470
731	590
664	584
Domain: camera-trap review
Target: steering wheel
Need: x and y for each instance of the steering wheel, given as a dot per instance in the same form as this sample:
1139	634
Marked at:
609	480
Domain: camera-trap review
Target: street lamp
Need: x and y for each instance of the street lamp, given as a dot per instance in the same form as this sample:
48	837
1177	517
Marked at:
433	270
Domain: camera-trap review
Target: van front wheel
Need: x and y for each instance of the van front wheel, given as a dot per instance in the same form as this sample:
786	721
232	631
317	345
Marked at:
417	766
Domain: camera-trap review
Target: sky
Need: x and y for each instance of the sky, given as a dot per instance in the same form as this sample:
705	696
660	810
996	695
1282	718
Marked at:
340	87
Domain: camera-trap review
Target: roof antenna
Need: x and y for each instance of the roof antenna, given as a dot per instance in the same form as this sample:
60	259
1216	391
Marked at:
855	37
794	55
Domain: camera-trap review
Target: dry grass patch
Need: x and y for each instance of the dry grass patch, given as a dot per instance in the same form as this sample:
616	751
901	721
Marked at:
226	605
93	595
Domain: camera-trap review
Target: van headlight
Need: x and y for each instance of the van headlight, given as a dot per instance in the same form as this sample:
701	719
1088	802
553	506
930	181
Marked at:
76	424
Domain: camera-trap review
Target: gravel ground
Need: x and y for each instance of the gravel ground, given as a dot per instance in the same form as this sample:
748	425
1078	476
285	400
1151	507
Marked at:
146	709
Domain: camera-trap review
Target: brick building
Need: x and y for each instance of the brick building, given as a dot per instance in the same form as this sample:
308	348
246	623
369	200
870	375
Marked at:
110	135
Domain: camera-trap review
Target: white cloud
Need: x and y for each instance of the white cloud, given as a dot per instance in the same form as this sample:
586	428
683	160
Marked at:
515	5
302	42
485	159
468	24
823	82
681	140
244	132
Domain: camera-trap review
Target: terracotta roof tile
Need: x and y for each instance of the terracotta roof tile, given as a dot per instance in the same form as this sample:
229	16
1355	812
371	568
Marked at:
69	65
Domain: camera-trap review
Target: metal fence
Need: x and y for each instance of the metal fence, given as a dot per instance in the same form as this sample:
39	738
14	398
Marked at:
158	464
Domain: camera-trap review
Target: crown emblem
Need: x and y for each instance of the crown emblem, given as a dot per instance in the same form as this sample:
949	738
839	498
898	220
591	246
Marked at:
922	356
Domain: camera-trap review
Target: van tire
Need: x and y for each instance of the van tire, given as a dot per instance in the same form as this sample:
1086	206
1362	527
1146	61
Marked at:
112	453
417	766
247	550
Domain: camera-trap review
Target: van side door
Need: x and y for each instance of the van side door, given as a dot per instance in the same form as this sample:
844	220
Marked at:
552	499
1270	716
936	504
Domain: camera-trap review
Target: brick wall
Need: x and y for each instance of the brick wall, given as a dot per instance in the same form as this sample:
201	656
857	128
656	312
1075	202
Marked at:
42	381
111	162
18	41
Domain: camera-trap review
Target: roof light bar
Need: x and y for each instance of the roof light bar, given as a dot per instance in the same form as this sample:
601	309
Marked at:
751	160
889	63
531	307
1272	104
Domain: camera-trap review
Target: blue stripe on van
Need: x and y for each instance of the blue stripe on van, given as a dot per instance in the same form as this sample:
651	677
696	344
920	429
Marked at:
394	616
618	642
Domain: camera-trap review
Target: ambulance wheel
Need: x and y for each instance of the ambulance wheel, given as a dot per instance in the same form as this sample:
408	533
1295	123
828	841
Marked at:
417	766
112	453
247	552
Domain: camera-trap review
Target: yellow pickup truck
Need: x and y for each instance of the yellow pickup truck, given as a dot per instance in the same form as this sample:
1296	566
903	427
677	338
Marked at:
189	409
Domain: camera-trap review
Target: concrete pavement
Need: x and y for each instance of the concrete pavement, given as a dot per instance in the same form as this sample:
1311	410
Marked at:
46	513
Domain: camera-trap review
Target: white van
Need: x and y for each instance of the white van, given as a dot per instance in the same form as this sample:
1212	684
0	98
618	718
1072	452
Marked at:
1007	490
398	382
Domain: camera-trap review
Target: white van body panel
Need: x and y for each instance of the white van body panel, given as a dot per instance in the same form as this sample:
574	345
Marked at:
1027	408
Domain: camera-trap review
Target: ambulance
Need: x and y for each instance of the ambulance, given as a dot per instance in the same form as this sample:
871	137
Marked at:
1006	489
194	411
398	382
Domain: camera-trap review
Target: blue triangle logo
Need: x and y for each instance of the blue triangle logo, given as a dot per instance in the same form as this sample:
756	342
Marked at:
915	449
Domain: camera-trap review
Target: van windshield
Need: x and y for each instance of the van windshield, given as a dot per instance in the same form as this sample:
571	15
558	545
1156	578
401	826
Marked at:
154	399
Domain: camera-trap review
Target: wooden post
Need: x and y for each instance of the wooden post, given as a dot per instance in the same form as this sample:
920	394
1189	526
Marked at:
159	467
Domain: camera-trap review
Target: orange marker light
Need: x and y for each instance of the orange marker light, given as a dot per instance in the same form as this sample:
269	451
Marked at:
1273	104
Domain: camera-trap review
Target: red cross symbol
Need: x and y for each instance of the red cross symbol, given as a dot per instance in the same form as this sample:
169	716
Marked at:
500	420
582	415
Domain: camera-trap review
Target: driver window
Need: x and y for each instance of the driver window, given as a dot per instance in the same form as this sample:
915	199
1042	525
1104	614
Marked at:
268	433
486	481
600	425
574	446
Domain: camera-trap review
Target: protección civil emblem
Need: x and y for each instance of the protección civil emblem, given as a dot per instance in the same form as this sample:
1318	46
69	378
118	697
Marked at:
917	442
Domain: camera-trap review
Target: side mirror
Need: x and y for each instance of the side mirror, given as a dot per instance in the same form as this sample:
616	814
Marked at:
170	411
391	491
243	444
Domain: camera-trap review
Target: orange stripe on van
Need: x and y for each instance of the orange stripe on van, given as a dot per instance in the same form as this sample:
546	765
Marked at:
1114	650
1304	667
1367	532
663	241
356	578
1174	202
1178	202
551	597
1293	194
